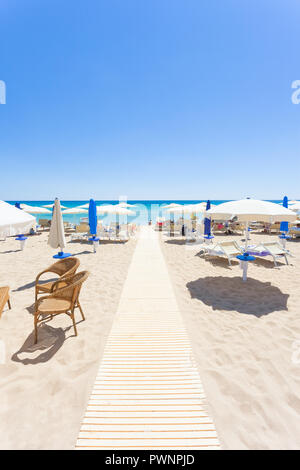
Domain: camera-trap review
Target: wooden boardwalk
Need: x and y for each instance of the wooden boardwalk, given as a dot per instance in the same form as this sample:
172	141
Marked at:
148	393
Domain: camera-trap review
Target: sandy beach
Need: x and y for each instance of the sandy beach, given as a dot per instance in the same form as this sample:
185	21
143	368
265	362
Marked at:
243	338
44	388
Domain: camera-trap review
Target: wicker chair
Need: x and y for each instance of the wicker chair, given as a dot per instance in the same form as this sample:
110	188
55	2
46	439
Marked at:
64	298
63	267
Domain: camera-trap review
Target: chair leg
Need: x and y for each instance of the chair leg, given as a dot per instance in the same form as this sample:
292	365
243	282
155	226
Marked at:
9	304
79	306
35	329
74	324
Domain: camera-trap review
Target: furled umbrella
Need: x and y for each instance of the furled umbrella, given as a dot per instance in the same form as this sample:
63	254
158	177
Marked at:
57	234
93	224
207	224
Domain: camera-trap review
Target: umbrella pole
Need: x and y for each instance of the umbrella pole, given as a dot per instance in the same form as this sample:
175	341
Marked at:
117	226
246	235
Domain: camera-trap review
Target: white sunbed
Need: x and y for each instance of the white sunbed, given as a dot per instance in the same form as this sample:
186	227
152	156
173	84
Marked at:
229	250
273	249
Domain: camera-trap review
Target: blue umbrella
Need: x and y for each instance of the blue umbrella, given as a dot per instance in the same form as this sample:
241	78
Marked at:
284	226
207	222
93	223
17	205
93	217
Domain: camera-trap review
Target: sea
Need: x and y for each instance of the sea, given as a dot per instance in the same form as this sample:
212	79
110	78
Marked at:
145	210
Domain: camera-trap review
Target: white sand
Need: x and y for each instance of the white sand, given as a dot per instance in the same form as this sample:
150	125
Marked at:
44	389
242	336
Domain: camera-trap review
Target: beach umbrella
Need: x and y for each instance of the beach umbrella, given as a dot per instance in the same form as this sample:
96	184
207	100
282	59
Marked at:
295	206
50	206
93	224
57	234
184	208
251	210
114	209
125	204
207	221
173	205
284	226
74	210
34	210
14	221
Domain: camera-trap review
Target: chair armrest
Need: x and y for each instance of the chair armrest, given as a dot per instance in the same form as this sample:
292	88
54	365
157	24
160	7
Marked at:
63	280
43	272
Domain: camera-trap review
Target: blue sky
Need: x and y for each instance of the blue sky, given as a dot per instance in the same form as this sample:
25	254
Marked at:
157	99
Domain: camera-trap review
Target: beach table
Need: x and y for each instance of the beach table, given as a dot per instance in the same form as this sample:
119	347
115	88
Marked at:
22	239
244	259
283	238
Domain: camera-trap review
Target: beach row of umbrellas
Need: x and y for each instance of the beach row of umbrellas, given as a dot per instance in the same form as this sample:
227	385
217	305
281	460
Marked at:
121	209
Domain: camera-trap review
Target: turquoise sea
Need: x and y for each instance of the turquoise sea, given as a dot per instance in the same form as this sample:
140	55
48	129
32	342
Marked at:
145	210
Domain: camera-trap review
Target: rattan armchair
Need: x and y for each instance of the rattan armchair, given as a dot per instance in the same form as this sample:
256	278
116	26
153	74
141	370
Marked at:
64	298
63	267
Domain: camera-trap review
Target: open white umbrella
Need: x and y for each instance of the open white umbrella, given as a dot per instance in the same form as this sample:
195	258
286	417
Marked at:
187	209
251	210
85	206
34	209
50	206
171	206
57	234
190	208
74	210
14	221
295	206
114	209
125	204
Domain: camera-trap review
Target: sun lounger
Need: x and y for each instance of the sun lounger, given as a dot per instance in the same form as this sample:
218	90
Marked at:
44	223
81	231
4	298
229	250
295	232
273	249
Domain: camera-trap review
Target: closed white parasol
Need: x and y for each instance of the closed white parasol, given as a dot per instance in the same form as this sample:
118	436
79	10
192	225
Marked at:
57	234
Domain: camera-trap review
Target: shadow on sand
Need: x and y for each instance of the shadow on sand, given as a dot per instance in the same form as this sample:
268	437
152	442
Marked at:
252	297
32	284
50	340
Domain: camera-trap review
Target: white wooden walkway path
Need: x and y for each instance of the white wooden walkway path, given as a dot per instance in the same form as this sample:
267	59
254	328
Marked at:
148	393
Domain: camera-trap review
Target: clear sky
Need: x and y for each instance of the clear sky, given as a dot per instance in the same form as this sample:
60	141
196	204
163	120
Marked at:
153	99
